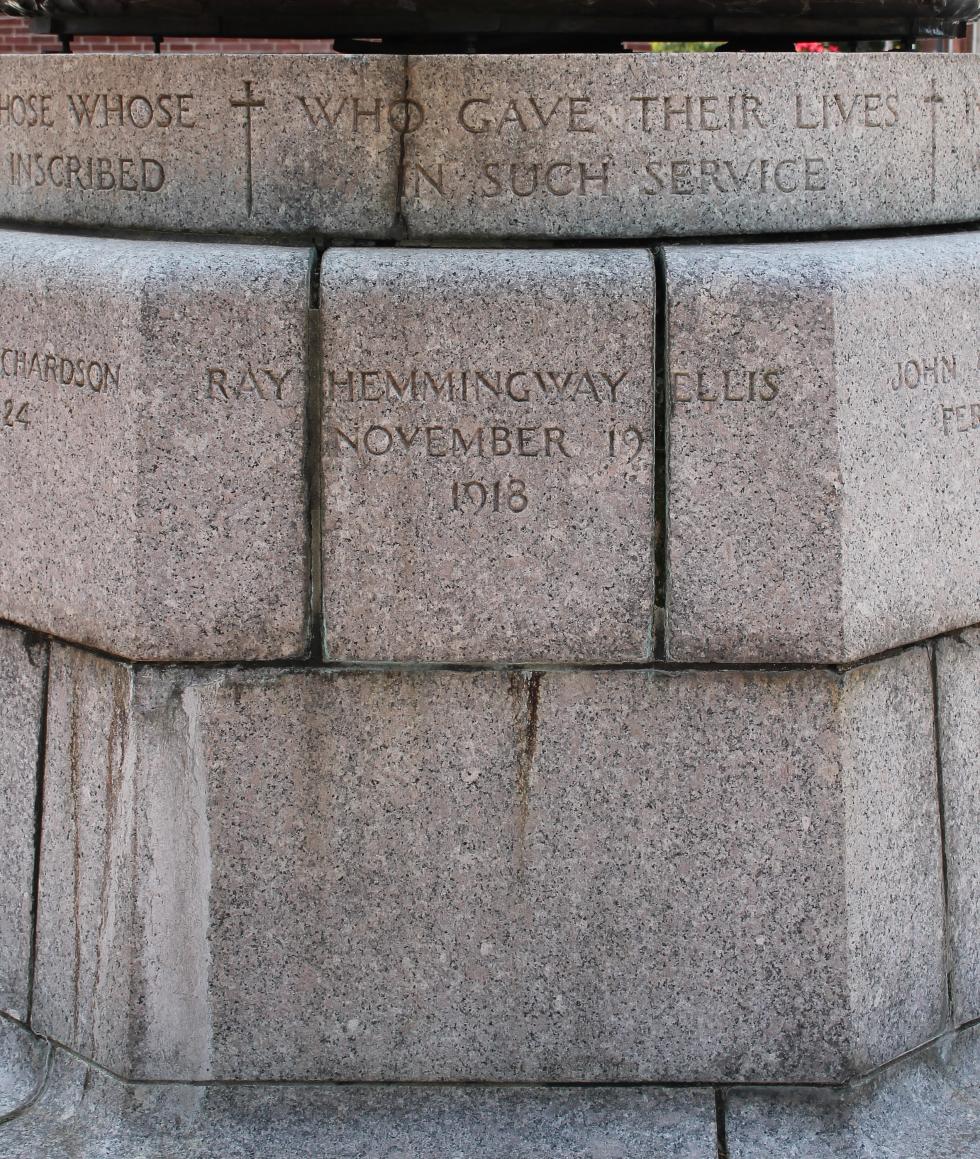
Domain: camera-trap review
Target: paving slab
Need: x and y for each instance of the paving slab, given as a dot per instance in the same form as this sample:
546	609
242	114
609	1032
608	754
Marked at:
927	1107
824	447
696	144
262	144
23	1067
22	674
488	454
958	700
86	1114
154	434
585	876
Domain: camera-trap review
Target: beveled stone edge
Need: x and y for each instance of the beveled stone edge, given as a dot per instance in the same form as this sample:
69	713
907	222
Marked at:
14	1027
811	1098
316	662
813	1111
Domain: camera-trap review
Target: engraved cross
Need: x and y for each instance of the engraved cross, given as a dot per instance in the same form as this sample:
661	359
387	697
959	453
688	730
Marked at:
933	100
248	103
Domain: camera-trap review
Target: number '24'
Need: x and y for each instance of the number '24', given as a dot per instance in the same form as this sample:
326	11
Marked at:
14	412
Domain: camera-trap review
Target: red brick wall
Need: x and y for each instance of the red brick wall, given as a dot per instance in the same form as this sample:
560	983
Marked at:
16	37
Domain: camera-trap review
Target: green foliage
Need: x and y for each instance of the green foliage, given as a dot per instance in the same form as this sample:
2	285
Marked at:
684	45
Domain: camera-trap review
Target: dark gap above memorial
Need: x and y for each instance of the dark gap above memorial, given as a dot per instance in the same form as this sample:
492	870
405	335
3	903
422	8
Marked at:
507	24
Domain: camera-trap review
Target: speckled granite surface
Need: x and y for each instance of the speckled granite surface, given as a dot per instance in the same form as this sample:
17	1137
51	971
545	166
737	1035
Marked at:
611	876
85	1114
488	455
824	480
153	445
23	664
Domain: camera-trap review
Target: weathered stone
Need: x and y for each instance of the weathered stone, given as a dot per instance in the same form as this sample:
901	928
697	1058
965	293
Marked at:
86	1114
22	671
154	499
580	876
23	1062
494	146
689	144
824	463
487	453
958	695
926	1107
267	144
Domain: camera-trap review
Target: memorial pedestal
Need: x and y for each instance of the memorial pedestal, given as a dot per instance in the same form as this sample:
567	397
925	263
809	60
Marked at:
469	620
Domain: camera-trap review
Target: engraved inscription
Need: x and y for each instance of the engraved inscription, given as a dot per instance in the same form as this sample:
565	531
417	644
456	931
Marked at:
15	414
961	418
925	370
583	391
223	384
474	496
26	110
357	114
102	174
837	110
106	110
94	374
655	138
732	385
919	372
248	103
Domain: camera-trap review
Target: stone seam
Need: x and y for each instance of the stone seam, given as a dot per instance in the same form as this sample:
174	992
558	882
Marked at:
947	916
655	665
721	1123
661	454
722	1092
400	229
42	742
313	463
296	238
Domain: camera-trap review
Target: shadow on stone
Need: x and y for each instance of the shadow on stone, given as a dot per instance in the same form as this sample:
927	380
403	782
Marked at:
927	1107
84	1113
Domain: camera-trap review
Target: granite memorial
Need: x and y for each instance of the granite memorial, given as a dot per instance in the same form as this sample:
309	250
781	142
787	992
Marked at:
490	592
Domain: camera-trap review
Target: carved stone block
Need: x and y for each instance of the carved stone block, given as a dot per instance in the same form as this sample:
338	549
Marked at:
22	668
267	144
824	462
564	876
153	424
958	688
487	454
610	146
655	144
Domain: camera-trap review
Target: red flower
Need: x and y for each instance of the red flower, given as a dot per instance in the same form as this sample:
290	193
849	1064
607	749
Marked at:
815	46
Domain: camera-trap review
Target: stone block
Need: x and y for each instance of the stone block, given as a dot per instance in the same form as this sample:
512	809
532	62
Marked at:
695	144
578	146
584	876
487	454
22	674
958	696
85	1112
263	144
154	431
824	435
